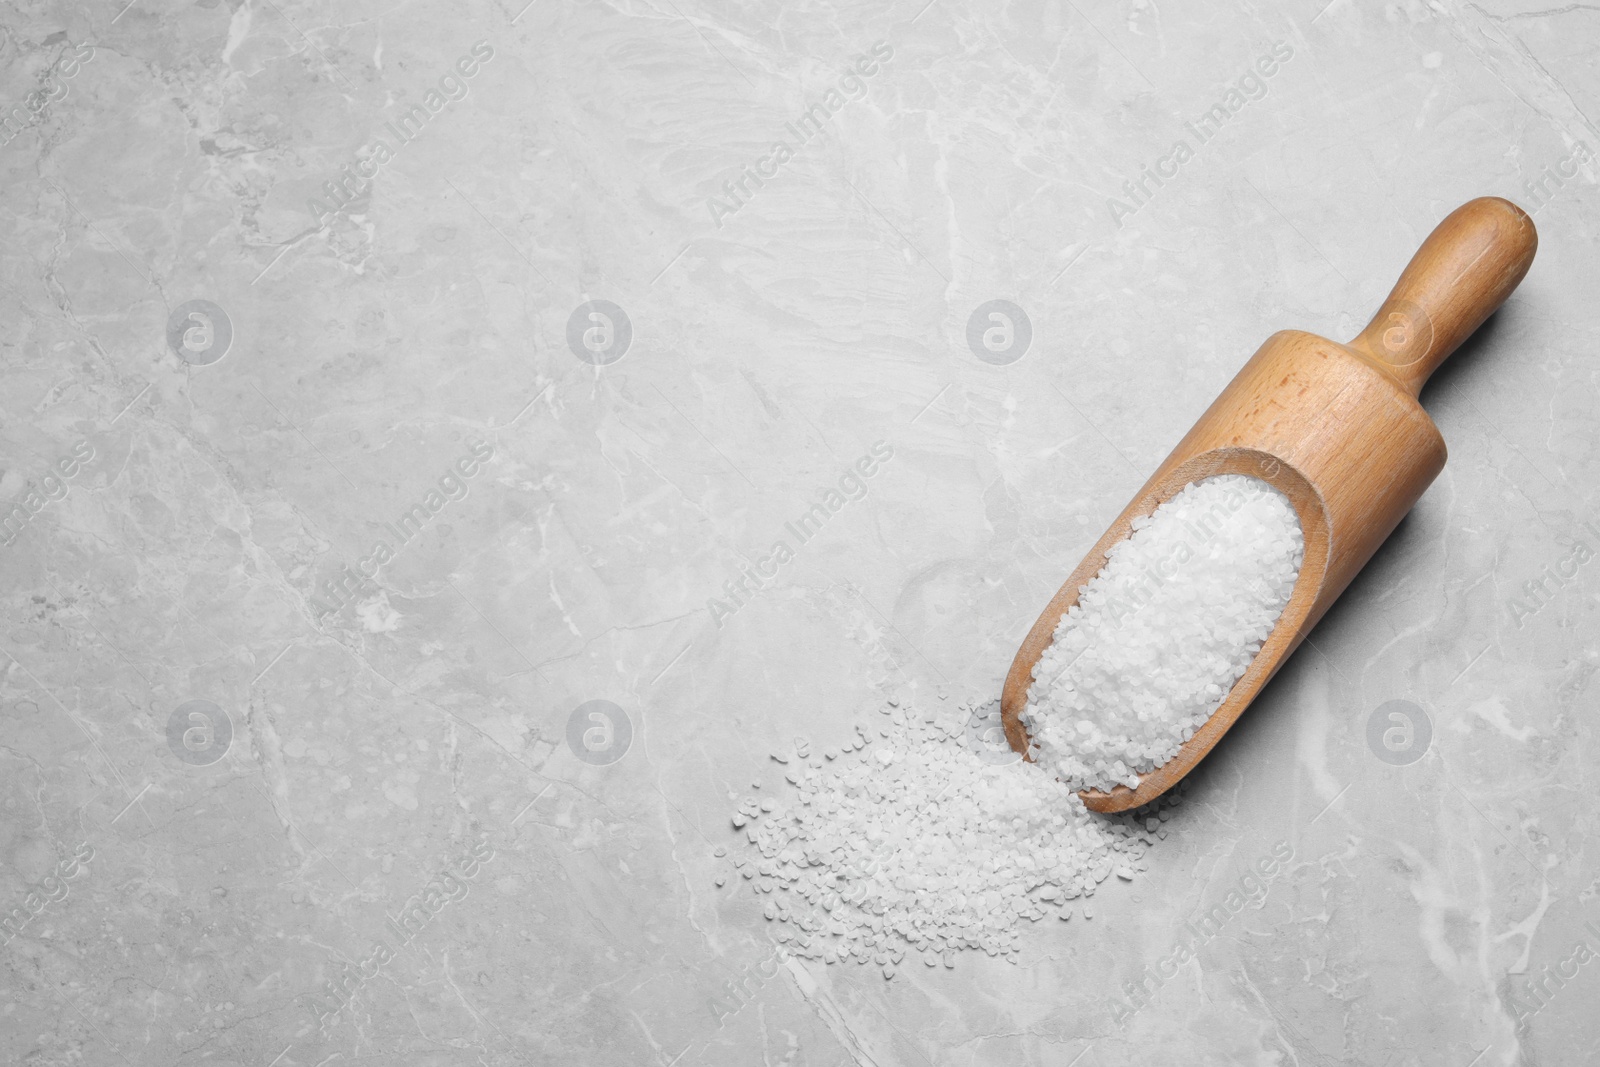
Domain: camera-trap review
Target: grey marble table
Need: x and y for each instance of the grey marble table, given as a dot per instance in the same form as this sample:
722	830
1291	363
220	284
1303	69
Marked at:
404	405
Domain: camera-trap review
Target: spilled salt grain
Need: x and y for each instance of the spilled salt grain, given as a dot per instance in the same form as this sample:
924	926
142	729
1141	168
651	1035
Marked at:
1160	635
934	850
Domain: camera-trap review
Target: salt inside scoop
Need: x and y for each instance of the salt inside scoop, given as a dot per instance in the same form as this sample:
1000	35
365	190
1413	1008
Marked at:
1160	635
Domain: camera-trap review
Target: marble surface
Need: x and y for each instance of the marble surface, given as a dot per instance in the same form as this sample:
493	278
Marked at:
231	769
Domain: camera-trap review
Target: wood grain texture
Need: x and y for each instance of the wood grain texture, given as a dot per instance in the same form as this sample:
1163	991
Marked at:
1335	427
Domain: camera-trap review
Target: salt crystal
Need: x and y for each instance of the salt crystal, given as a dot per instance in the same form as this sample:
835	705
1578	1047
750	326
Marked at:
1161	634
933	850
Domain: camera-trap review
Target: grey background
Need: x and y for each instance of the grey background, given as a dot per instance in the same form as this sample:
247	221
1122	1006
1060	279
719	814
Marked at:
373	746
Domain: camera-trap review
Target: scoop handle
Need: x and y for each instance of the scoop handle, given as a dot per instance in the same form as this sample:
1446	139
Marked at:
1464	271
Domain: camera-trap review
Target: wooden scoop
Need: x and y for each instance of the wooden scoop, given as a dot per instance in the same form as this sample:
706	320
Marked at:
1335	427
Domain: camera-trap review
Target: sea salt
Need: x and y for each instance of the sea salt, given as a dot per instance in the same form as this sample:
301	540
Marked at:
1159	636
932	851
